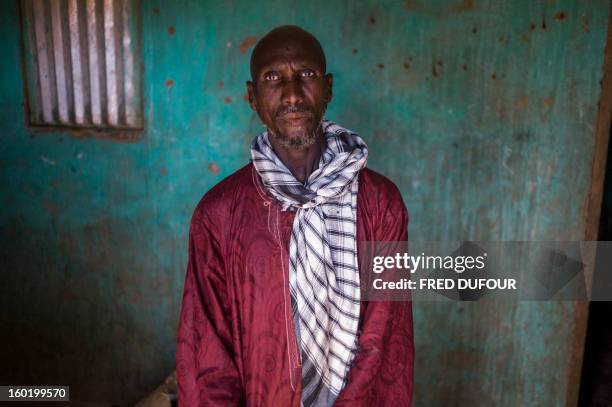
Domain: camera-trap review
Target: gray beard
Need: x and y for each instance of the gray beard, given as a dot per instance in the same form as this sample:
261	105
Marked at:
297	142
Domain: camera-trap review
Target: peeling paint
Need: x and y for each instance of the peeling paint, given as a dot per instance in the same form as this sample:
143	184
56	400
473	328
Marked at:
247	43
585	23
549	101
434	69
213	167
462	6
522	102
47	160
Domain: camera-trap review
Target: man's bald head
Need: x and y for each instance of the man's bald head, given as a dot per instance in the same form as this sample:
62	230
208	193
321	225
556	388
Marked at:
290	88
284	38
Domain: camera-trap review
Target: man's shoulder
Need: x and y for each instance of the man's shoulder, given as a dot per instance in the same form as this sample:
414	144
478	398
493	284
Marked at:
383	212
222	195
373	182
379	196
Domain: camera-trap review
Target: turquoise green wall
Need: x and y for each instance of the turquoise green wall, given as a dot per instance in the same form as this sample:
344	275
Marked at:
482	111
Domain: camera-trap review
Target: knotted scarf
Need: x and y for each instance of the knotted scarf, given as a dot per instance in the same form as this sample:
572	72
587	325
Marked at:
323	270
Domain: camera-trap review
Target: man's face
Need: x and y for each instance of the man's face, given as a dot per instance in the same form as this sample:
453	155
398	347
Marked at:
290	91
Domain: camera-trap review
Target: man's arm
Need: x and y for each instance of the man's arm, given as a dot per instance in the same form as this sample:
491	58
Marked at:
382	373
206	371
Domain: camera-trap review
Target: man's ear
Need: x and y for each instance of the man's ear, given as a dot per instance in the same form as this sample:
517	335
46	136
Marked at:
251	93
329	82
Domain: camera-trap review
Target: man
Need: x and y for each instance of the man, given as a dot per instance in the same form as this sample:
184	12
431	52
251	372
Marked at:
272	314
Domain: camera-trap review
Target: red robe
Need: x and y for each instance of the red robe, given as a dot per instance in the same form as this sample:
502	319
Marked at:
236	343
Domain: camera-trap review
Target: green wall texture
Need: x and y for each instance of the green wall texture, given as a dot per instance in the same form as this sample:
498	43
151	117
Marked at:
482	111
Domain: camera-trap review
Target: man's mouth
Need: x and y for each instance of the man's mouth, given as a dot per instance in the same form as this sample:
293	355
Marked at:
295	117
295	114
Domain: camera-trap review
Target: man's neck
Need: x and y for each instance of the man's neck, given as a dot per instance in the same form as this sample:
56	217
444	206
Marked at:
301	162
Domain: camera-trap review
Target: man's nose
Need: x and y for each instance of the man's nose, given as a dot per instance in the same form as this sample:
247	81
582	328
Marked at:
292	92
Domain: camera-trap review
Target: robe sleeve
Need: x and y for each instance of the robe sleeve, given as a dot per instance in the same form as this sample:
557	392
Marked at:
382	372
206	371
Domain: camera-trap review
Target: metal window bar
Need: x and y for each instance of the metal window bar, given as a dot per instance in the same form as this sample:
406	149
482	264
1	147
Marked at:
82	62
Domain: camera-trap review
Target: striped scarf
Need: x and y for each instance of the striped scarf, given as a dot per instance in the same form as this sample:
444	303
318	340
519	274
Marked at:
323	271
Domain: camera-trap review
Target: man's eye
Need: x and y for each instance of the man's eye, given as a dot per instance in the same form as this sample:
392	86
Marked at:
271	76
307	73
